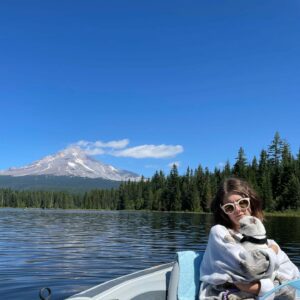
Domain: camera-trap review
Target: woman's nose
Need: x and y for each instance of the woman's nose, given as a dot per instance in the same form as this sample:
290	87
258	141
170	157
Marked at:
237	207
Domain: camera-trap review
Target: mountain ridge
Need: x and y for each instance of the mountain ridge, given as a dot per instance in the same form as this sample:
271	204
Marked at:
71	162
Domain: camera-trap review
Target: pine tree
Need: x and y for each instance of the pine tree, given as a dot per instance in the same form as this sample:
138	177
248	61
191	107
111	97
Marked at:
240	167
199	174
206	195
173	193
275	150
123	197
195	197
274	160
287	167
290	198
147	196
226	171
186	191
264	181
158	183
297	164
252	173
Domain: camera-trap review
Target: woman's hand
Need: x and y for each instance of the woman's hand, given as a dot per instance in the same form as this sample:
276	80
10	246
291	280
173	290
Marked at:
252	288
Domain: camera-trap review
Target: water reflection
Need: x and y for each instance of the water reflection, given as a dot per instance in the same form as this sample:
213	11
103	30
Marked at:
70	251
285	231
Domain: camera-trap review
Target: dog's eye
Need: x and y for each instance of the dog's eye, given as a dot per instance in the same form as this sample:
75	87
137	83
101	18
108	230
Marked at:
243	225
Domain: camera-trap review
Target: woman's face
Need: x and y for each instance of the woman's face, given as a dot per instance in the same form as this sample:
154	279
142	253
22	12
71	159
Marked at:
238	211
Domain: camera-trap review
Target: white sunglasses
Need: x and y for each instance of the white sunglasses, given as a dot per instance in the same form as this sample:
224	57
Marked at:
242	203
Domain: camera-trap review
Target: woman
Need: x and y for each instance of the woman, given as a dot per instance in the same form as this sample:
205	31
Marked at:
223	272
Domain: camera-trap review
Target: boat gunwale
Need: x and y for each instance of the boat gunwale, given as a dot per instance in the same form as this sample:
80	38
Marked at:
107	285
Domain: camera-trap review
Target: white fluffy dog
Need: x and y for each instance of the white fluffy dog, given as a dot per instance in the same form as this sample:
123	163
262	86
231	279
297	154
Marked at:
253	238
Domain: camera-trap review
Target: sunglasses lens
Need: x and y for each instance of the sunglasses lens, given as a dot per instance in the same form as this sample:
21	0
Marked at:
228	208
243	203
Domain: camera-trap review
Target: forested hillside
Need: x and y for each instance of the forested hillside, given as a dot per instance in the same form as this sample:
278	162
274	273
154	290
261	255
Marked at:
56	183
275	175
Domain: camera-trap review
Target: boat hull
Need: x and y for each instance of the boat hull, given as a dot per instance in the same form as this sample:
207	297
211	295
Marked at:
147	284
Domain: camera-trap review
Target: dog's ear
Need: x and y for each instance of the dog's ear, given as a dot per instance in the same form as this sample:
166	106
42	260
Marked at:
253	221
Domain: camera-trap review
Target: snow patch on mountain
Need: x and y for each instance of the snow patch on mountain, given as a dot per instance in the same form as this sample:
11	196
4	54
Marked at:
72	161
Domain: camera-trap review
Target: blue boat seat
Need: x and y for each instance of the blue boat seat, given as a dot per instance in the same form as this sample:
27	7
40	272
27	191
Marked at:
184	281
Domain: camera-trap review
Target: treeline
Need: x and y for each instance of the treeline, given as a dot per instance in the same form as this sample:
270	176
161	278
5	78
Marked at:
275	175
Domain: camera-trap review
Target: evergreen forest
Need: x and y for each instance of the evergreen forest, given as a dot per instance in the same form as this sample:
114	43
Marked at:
275	175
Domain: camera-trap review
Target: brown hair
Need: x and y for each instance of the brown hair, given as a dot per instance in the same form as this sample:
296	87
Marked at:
234	186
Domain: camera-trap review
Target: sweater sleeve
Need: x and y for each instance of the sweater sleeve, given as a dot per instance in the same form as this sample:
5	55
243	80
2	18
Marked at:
265	286
287	270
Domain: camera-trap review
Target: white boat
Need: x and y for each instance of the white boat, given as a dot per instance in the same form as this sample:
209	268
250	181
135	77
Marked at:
148	284
159	283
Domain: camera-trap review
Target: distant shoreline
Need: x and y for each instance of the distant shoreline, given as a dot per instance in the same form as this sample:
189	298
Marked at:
288	213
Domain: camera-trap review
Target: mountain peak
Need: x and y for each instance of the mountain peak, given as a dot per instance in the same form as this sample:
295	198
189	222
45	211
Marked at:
73	150
72	161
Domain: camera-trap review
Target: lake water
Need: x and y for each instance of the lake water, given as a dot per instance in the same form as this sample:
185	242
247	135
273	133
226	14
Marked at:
70	251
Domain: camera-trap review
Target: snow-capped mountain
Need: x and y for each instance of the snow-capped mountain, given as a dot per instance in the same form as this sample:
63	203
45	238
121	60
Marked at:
71	161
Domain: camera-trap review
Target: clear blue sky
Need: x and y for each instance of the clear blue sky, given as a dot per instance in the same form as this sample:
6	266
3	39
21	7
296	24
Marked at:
201	78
